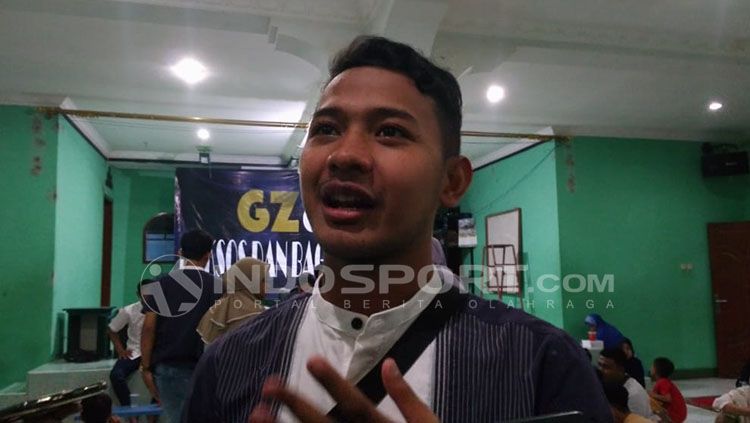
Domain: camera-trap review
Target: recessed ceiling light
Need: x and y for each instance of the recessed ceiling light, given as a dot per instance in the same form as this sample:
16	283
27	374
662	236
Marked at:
714	106
190	70
203	134
495	93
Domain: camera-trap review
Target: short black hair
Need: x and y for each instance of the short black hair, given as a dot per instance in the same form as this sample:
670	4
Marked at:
616	355
617	396
195	244
431	80
96	409
663	367
628	342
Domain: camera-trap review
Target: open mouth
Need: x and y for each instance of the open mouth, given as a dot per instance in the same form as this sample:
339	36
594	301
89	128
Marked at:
346	196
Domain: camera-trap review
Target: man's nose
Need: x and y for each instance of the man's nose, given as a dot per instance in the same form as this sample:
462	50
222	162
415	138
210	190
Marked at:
352	154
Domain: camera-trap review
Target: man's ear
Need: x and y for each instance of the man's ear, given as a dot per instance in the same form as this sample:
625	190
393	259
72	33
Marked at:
456	181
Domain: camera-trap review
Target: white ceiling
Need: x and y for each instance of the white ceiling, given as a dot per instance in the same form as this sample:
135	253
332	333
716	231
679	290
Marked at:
626	68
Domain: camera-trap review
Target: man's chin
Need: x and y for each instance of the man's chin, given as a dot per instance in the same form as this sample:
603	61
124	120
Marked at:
352	249
347	253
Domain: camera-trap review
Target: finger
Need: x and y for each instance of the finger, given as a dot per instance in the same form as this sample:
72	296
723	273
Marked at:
352	403
261	414
411	407
303	410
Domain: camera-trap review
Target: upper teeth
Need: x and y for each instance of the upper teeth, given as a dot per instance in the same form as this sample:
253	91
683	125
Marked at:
345	198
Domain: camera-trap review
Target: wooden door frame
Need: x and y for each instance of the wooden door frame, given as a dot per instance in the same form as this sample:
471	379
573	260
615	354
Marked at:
106	279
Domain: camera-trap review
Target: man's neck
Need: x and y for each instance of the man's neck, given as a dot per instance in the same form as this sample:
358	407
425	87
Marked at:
386	284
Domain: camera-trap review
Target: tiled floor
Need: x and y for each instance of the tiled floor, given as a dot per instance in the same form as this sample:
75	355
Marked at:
702	388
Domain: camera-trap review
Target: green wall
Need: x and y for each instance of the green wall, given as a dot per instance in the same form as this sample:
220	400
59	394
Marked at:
629	210
527	181
28	159
51	223
637	209
147	193
81	173
120	213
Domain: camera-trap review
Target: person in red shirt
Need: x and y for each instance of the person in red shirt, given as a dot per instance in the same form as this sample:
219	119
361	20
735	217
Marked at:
667	392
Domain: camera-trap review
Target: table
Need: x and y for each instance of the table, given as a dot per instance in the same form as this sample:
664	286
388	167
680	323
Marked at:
594	347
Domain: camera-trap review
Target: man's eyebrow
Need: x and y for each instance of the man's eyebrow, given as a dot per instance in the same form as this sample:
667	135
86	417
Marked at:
374	113
386	112
328	112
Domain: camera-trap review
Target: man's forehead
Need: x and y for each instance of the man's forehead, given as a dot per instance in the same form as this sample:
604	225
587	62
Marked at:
372	89
368	74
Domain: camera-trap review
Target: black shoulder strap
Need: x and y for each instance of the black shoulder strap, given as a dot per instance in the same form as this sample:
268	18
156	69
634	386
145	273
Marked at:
410	346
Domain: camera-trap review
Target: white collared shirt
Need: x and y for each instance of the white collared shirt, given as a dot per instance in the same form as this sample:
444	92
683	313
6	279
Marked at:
638	401
184	266
132	317
739	397
353	348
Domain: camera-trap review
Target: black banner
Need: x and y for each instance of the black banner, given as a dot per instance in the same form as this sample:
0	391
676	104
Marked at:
251	214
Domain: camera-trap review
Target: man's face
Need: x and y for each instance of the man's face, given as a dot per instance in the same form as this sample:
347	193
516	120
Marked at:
372	169
611	372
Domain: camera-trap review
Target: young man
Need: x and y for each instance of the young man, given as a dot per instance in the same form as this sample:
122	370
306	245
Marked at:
617	396
382	155
173	307
612	365
129	355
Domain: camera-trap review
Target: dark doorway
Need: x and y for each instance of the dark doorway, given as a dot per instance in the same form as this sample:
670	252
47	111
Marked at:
106	253
729	252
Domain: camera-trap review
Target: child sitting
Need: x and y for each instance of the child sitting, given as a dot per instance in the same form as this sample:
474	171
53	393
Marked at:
667	392
98	409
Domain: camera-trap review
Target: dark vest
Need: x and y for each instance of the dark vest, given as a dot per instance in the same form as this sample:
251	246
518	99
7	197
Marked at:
493	363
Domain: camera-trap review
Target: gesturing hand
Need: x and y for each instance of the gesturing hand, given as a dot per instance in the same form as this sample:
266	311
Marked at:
354	405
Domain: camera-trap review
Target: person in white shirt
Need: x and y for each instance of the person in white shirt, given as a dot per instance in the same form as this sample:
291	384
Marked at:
734	406
612	365
129	355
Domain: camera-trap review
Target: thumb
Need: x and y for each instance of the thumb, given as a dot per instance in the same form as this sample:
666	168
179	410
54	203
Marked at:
411	407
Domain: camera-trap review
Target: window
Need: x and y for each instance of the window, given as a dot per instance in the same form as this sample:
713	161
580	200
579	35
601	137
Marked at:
158	239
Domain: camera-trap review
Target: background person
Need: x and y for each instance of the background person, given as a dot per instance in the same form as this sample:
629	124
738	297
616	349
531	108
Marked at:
128	356
633	365
170	345
244	286
666	392
734	406
98	409
608	334
617	396
744	377
612	366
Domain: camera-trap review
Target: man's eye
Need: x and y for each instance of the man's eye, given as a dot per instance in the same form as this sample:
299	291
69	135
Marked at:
391	132
323	129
